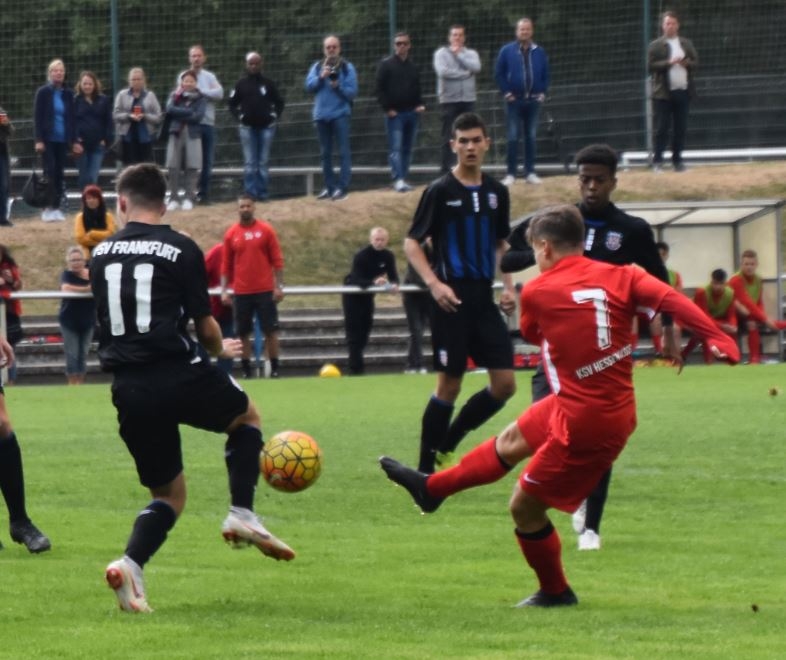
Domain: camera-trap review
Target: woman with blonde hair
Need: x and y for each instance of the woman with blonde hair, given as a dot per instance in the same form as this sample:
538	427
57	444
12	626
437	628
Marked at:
137	116
55	134
77	316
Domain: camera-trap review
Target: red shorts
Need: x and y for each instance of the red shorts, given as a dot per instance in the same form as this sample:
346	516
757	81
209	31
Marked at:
558	474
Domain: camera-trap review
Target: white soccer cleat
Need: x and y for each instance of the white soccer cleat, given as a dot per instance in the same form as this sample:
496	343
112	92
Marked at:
589	540
242	527
579	518
125	577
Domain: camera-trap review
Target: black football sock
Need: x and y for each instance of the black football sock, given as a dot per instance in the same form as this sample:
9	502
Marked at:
480	407
242	458
245	364
150	530
436	420
273	364
595	503
12	479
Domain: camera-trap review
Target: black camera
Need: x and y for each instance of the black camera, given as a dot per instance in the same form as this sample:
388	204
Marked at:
332	65
333	75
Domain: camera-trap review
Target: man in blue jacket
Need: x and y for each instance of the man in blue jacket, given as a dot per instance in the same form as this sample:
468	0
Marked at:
522	74
334	84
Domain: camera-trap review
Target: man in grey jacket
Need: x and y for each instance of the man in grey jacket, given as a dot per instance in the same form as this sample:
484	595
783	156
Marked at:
671	60
456	67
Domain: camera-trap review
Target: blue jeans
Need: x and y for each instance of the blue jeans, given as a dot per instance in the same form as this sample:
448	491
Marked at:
522	113
76	344
402	130
208	146
89	164
327	131
5	173
256	153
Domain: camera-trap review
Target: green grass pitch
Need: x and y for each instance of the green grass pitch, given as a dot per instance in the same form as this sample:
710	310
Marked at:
694	536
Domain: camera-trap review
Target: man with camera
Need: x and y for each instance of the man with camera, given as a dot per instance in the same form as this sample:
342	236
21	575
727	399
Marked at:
334	84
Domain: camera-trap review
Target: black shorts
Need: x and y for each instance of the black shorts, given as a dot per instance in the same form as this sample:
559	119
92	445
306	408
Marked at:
476	330
261	304
153	400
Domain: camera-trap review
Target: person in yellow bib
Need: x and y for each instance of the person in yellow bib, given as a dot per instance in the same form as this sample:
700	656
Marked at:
717	300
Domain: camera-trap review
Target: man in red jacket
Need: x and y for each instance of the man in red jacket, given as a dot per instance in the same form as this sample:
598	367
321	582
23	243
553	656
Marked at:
252	255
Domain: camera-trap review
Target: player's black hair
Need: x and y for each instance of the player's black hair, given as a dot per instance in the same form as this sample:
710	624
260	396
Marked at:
144	184
466	121
562	225
598	154
719	275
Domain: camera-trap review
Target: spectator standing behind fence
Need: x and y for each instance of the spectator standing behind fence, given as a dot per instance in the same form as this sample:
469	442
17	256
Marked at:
54	127
257	104
334	84
254	264
456	67
11	281
137	115
6	129
398	92
93	223
77	316
94	126
374	265
211	89
522	74
671	60
185	108
417	307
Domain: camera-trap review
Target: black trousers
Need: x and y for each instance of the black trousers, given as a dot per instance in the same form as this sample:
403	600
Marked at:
671	113
358	319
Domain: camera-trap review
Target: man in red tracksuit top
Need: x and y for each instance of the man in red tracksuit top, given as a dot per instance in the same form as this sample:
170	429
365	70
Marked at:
252	255
581	313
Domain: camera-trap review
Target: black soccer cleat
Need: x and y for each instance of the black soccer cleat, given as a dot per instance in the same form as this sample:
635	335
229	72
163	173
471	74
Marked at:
29	535
541	599
413	481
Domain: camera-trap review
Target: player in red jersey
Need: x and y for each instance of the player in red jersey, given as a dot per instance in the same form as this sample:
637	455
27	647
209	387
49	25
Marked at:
747	287
580	311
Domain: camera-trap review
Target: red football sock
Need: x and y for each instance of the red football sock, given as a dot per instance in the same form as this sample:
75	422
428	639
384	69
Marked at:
480	466
754	345
544	555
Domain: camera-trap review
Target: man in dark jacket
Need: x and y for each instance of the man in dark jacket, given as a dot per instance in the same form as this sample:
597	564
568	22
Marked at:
398	92
257	104
671	60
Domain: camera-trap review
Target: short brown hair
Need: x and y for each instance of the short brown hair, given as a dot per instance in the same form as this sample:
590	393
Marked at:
562	225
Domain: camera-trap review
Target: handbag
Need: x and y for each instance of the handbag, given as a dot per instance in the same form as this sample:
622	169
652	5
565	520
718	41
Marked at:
36	191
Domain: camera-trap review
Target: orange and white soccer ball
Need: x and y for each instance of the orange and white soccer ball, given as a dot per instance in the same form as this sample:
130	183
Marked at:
291	461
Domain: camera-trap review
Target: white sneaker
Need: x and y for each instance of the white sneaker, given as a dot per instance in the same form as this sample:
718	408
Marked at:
187	205
173	205
401	186
125	577
57	216
589	540
533	178
46	215
242	527
579	517
508	180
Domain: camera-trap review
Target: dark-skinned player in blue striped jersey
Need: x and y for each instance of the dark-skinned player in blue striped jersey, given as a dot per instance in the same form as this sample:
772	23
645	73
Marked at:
466	213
